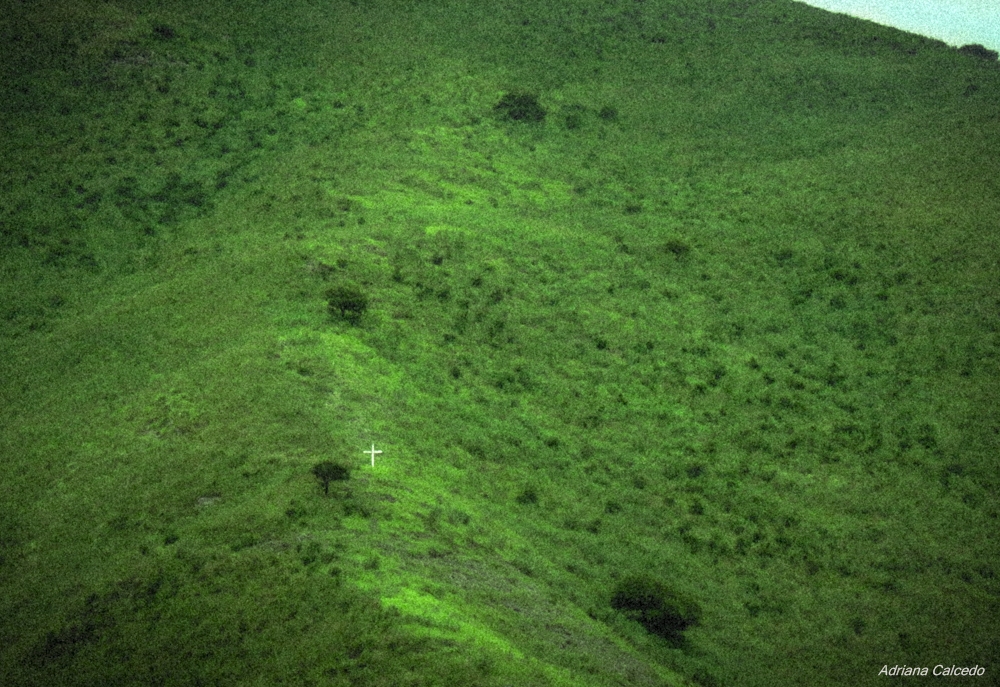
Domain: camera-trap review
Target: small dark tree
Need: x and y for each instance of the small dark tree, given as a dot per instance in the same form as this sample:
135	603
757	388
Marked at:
679	248
980	51
520	107
528	496
347	300
661	611
327	472
164	32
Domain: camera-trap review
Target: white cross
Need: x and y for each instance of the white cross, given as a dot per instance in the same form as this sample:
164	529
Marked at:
373	452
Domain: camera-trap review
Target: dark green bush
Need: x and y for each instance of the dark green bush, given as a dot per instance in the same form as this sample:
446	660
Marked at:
520	107
164	32
458	517
309	553
574	121
347	300
661	611
679	248
327	472
528	496
980	51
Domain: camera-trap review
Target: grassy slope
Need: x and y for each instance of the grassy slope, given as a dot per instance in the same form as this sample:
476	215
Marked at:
741	335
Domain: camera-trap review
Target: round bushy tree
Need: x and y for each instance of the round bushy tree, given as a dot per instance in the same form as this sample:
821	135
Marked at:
980	51
347	300
520	107
327	472
528	496
661	611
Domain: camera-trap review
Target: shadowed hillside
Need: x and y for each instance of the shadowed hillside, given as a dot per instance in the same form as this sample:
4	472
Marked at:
672	326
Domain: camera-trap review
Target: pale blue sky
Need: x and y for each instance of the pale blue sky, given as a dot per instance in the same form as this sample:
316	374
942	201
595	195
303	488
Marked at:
956	22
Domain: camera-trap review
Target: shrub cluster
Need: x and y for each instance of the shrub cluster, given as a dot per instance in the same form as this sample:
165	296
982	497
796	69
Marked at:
348	301
980	51
520	107
528	496
661	611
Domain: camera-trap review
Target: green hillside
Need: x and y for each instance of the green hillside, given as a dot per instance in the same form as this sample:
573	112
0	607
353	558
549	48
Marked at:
675	323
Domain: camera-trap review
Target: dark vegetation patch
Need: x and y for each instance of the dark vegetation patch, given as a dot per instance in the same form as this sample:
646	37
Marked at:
677	247
164	32
661	611
528	496
519	106
979	51
201	616
327	472
124	124
574	117
347	301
